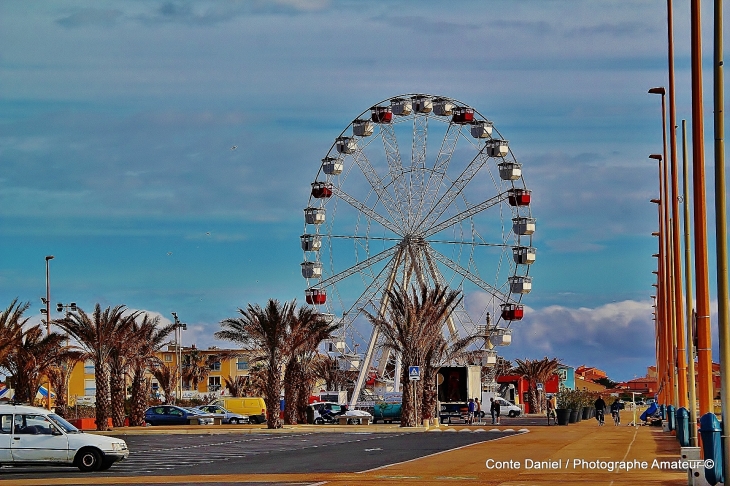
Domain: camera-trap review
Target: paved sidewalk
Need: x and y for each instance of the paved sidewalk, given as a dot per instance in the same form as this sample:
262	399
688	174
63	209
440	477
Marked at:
577	454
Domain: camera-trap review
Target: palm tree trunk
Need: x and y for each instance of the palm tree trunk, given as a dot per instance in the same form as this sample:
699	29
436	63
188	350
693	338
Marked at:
272	390
139	399
408	411
118	397
102	396
428	407
292	377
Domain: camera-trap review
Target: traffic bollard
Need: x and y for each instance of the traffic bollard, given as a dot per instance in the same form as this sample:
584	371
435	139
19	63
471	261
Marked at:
711	432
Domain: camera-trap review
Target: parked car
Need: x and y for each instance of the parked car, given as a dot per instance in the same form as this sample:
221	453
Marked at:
35	436
173	415
226	416
253	407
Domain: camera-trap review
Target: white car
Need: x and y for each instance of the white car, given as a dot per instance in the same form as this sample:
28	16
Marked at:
35	436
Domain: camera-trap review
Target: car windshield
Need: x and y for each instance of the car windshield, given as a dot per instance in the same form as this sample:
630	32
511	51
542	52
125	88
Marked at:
61	422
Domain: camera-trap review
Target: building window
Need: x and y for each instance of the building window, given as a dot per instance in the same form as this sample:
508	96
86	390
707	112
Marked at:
242	364
168	357
88	367
214	383
89	388
215	366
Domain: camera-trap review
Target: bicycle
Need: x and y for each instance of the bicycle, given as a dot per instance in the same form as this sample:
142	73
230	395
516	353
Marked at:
599	417
616	418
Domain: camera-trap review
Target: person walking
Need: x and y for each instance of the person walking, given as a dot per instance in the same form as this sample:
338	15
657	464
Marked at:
600	409
472	407
551	406
478	410
494	409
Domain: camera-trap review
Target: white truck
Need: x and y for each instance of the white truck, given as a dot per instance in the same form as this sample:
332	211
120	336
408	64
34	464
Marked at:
456	385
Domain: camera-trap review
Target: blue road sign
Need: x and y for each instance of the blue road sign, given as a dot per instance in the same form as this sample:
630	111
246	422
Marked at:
414	372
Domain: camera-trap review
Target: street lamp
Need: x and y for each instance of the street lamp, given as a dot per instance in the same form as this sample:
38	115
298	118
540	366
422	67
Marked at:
179	328
47	301
66	308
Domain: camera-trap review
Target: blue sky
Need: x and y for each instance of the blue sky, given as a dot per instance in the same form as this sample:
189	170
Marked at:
117	121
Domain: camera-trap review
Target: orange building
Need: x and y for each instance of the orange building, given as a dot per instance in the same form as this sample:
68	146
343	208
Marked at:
589	373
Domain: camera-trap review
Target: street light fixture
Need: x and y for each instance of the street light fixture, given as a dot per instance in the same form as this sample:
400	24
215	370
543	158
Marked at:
179	328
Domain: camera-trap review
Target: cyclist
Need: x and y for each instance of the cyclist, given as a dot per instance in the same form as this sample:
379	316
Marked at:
615	409
600	408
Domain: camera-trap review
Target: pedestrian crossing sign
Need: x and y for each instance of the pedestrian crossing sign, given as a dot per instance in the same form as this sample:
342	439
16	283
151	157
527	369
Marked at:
414	372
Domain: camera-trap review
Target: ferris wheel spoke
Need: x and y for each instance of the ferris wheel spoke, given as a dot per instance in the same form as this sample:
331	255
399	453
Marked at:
469	275
377	185
358	267
453	192
457	218
418	166
395	164
371	213
440	168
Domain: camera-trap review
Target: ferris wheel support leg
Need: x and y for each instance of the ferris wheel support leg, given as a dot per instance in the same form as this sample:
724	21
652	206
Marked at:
437	277
365	367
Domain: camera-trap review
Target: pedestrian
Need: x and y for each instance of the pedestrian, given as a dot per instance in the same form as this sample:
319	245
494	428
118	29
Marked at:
478	410
600	408
615	412
495	411
472	407
551	406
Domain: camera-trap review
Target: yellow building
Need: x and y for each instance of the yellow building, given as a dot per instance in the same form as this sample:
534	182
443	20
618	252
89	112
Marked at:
220	364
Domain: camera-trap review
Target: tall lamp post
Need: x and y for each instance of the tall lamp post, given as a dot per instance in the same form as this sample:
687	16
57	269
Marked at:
179	328
48	319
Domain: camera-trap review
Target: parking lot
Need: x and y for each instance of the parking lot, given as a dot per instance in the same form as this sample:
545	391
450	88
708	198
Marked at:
266	453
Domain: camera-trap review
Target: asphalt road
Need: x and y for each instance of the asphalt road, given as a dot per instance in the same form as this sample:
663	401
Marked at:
173	455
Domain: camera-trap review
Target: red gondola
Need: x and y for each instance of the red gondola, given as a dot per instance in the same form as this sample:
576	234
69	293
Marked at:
315	296
463	115
512	312
519	197
382	114
321	190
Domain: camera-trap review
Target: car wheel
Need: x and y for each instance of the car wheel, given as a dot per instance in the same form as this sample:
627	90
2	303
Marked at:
88	460
512	414
234	421
106	464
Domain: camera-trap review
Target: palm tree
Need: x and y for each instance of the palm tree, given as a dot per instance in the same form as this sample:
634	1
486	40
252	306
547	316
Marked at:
327	369
59	375
96	335
236	386
11	326
536	371
264	332
167	378
124	347
151	339
308	329
195	367
32	358
411	329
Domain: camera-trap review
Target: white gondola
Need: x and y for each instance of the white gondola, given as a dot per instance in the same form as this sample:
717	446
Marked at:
481	129
311	242
443	107
327	317
401	107
524	255
509	171
363	128
497	148
523	226
520	284
314	215
346	145
334	346
332	166
489	358
422	104
348	362
501	336
311	270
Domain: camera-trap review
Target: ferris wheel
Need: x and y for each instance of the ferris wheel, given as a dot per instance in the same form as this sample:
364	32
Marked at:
417	190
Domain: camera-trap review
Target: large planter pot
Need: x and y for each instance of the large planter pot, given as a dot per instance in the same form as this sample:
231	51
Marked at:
563	415
586	413
573	418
